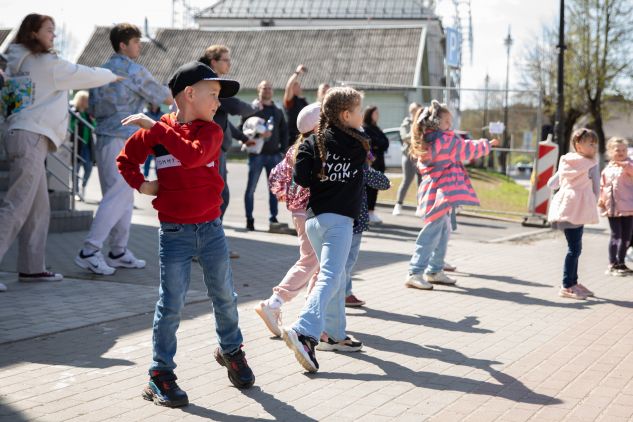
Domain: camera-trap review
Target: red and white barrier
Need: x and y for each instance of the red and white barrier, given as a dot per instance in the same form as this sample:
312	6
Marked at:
540	195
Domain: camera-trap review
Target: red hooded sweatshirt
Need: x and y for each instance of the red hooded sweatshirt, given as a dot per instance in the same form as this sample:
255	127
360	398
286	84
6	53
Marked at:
189	182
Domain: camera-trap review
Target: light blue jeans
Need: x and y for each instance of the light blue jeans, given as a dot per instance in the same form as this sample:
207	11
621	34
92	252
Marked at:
354	250
430	247
179	243
324	311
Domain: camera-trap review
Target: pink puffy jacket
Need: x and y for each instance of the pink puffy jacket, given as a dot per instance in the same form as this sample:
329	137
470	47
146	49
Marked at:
616	189
575	202
284	188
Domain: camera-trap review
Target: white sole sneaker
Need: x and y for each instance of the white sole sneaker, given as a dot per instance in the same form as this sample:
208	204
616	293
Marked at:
268	317
292	341
88	266
440	278
325	346
418	284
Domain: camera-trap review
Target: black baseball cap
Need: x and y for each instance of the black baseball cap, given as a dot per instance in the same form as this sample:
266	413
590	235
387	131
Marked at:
193	72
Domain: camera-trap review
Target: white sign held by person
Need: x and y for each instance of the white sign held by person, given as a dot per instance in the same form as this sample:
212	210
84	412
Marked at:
496	127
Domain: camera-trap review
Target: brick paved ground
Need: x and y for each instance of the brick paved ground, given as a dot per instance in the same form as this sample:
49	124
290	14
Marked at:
499	346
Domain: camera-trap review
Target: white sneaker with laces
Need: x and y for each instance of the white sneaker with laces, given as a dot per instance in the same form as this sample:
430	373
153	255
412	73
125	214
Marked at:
95	263
126	260
439	278
397	209
417	281
270	316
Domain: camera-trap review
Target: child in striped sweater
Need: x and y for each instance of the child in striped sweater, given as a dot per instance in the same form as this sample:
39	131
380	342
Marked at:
445	185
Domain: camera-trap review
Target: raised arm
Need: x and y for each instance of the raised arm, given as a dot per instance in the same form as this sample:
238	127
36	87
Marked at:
289	92
69	75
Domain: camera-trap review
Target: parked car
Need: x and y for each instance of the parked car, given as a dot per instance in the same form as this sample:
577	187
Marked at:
394	153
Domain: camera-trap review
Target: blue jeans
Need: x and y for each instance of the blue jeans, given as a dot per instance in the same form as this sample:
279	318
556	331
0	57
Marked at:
147	165
331	237
574	248
430	247
256	163
354	250
179	243
86	164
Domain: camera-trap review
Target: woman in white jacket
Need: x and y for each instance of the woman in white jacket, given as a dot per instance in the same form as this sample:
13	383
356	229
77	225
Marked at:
37	125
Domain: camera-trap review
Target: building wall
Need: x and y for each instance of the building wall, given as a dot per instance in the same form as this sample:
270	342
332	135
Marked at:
393	105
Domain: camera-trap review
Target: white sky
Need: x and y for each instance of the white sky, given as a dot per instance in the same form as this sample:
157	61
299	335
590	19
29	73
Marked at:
490	25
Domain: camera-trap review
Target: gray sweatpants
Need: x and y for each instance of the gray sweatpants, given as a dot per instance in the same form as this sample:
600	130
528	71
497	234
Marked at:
25	211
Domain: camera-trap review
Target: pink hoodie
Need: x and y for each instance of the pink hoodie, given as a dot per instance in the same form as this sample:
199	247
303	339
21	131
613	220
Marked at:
616	190
575	202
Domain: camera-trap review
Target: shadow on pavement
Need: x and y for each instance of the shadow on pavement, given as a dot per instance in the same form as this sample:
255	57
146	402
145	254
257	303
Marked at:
509	388
505	279
8	413
278	409
466	325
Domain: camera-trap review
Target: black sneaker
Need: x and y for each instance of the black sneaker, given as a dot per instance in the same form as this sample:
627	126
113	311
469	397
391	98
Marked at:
273	220
239	372
624	270
347	345
163	390
303	348
250	224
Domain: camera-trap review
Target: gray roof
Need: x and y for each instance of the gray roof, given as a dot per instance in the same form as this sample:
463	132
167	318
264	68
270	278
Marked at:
319	9
374	54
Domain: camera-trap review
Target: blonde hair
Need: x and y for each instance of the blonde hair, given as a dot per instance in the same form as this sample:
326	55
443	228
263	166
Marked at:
79	95
582	134
336	101
427	118
613	142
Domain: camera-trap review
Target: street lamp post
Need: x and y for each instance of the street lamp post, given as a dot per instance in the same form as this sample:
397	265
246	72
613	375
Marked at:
508	43
560	106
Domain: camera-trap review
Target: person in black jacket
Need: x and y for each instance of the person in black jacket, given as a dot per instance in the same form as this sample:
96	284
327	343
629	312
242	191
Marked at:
330	163
218	58
379	145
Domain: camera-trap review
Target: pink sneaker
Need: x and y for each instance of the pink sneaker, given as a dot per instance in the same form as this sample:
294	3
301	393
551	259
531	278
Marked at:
574	292
584	289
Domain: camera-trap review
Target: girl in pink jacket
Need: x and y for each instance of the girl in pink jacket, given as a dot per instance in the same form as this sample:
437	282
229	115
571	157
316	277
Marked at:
305	270
574	205
616	203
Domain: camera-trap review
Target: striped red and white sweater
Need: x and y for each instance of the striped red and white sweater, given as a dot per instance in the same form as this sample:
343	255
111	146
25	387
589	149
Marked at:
445	183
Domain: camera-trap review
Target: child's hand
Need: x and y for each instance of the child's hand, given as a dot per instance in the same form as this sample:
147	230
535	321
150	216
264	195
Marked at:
139	120
149	188
494	143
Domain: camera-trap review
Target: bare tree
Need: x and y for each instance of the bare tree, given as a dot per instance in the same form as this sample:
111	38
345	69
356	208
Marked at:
597	61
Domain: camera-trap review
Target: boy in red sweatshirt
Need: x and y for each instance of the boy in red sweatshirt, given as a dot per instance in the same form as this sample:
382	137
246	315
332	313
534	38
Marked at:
186	145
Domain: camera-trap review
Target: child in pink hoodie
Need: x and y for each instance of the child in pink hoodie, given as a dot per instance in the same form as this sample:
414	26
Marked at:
304	271
574	205
616	203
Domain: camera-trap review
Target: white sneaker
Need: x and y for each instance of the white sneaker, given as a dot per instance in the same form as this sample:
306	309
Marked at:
374	219
417	281
270	316
126	260
397	209
95	263
439	278
3	288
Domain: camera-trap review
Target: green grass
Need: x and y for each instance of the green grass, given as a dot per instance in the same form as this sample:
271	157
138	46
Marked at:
495	191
